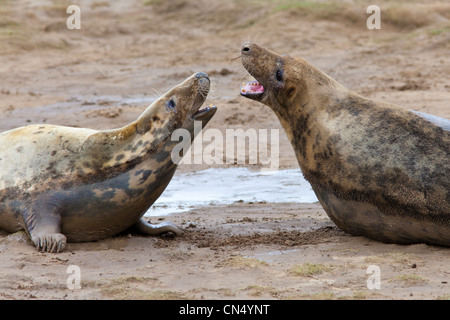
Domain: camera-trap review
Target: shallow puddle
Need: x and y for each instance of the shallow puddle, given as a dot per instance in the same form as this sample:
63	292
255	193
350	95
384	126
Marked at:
229	185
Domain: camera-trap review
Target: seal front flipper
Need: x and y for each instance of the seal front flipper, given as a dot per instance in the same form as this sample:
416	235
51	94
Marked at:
157	229
43	224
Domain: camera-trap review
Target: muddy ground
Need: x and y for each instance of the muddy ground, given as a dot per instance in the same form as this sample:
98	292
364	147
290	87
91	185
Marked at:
129	52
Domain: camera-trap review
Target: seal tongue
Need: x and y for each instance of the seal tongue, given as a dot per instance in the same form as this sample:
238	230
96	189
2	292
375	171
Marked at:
253	87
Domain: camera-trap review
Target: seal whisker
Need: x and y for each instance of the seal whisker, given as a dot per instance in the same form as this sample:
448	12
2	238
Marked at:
212	90
155	93
242	76
256	37
237	57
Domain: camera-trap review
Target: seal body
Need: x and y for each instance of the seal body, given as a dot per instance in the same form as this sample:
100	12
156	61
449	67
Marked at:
60	183
378	170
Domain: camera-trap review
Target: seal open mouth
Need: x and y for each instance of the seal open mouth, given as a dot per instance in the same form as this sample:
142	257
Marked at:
252	89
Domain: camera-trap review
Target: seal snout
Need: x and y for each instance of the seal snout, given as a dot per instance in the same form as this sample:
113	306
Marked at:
253	89
203	81
200	75
204	84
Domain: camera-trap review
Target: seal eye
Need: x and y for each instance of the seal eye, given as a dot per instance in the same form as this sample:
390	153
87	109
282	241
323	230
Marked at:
171	104
279	75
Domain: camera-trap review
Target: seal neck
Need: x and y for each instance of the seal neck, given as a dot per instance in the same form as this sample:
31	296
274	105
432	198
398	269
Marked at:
305	120
135	142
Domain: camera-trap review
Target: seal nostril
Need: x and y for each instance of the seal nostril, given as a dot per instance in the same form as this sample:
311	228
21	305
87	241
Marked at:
246	46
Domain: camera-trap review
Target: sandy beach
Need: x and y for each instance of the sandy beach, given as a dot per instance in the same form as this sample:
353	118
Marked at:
127	53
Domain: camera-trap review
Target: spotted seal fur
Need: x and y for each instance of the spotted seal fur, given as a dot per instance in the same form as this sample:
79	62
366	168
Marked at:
377	169
74	184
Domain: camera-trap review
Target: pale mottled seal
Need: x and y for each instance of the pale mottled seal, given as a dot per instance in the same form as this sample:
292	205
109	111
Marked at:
61	183
377	169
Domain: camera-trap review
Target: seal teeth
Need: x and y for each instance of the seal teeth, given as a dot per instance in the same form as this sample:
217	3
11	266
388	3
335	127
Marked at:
252	87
